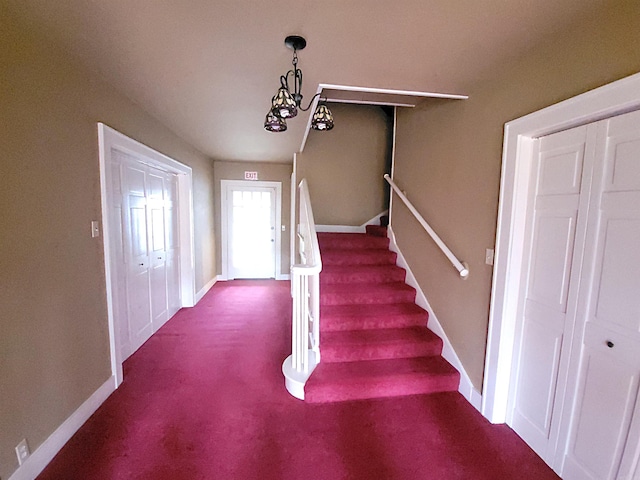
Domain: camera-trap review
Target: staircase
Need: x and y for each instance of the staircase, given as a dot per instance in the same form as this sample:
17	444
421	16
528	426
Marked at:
374	339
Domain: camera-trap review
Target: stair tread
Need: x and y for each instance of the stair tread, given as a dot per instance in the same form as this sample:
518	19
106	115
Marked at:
362	273
354	251
352	372
352	241
377	337
366	287
379	310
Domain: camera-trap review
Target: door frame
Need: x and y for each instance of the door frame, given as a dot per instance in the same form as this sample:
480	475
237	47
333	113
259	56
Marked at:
109	138
225	186
517	158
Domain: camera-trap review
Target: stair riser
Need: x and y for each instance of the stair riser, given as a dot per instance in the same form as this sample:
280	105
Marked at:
388	387
376	230
341	324
379	352
390	275
355	243
384	257
369	298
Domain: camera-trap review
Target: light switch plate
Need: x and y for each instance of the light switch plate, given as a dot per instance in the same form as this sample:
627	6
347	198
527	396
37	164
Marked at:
95	229
488	256
22	451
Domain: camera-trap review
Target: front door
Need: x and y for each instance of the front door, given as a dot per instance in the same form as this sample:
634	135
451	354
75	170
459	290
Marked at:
251	235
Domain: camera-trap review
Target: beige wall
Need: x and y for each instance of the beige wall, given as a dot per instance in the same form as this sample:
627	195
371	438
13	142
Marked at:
268	172
449	155
344	166
54	347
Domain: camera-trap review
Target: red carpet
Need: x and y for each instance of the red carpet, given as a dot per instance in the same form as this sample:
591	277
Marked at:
204	399
374	340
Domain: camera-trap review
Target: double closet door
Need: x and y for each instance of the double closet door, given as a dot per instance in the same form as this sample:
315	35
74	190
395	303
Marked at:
574	396
144	247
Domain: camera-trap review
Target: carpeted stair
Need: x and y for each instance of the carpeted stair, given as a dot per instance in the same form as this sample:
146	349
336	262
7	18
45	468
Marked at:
374	341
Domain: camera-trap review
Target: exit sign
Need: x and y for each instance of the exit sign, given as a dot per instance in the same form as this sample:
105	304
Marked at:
251	175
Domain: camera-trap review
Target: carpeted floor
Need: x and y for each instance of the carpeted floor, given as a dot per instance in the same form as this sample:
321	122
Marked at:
204	399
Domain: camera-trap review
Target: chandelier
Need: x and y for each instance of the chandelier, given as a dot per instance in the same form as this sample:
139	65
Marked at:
286	102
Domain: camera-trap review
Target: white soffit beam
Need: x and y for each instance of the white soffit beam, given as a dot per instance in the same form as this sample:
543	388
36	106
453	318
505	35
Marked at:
371	96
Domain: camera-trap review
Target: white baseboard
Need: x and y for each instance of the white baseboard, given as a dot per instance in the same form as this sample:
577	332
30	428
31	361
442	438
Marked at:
339	229
40	458
375	220
283	276
203	291
466	388
351	228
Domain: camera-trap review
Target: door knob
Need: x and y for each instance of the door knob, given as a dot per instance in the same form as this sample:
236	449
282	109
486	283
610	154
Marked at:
610	344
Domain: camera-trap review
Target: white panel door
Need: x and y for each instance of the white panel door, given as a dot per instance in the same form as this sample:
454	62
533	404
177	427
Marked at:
144	249
251	229
156	191
548	306
174	302
604	437
137	254
118	220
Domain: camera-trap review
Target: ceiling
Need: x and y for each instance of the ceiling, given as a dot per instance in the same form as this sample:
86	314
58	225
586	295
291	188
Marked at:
207	69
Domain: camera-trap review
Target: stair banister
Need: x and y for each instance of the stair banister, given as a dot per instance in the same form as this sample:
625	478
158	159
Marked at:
462	267
305	291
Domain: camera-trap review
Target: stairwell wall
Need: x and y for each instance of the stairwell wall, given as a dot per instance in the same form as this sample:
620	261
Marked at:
344	166
448	159
54	343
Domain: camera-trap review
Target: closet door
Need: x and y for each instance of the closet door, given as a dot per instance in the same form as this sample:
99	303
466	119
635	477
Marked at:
144	249
172	246
604	434
547	310
137	258
157	226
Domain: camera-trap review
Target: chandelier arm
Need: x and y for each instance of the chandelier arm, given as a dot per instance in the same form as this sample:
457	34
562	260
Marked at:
310	103
284	79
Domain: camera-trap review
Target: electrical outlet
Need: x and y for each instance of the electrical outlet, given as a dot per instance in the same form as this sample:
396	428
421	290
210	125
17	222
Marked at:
22	451
488	256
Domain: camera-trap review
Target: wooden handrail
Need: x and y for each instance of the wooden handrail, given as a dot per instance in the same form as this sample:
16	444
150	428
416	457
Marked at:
462	267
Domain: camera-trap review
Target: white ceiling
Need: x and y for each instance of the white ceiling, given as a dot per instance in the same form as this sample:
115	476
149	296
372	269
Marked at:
208	68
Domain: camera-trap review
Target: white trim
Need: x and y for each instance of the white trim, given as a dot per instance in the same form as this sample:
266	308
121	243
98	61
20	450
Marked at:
391	91
108	138
203	291
465	388
40	458
284	276
292	212
369	102
375	220
613	99
393	159
225	185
